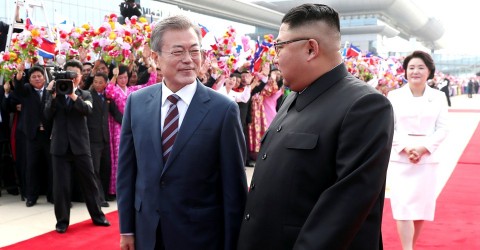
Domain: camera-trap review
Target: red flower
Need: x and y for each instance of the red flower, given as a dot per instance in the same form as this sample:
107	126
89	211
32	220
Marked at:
101	29
63	35
112	16
35	42
133	21
6	57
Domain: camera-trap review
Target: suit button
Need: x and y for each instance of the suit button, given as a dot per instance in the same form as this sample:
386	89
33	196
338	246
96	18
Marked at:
252	186
247	217
162	183
279	128
264	156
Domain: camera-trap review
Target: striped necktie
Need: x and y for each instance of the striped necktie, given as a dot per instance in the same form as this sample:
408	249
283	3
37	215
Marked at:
170	127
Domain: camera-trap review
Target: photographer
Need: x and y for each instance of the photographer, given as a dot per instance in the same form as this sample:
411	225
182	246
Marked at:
70	146
128	9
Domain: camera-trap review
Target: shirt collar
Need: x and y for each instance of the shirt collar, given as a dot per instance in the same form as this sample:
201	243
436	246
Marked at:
186	93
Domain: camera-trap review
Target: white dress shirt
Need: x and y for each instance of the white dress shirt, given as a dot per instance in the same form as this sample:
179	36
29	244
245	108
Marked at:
186	95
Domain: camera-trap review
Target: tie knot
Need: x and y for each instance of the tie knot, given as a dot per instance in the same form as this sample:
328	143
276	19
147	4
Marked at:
173	98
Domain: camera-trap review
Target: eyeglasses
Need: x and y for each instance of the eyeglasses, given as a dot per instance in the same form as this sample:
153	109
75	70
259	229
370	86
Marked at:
194	53
280	45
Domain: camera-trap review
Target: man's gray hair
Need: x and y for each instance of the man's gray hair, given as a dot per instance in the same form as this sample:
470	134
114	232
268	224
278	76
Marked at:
171	23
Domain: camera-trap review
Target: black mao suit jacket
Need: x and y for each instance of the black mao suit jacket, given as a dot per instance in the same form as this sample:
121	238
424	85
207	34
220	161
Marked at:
319	180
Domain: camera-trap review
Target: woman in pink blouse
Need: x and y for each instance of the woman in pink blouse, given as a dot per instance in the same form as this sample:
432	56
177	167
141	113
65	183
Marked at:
118	91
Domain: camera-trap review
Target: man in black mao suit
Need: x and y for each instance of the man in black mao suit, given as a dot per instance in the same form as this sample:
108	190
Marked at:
32	94
70	147
319	179
99	133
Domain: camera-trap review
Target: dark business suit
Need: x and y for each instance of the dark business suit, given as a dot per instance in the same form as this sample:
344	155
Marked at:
197	197
7	166
70	147
319	180
99	134
37	131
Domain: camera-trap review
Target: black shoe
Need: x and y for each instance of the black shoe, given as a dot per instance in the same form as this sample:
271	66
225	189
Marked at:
13	191
61	228
102	222
110	197
30	203
104	204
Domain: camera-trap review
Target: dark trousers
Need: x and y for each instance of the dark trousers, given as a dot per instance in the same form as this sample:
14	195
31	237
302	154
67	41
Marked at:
101	166
62	170
447	94
21	160
7	167
39	173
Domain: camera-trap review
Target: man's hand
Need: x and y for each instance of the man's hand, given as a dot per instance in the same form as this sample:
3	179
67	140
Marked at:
127	242
6	87
50	88
82	54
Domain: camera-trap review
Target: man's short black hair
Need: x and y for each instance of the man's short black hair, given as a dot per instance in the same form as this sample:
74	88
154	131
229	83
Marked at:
74	63
36	68
88	63
310	13
103	75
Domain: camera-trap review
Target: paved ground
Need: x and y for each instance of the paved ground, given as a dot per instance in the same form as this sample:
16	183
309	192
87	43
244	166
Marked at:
17	222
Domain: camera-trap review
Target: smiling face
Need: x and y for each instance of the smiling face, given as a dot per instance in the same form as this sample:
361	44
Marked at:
181	69
37	80
417	72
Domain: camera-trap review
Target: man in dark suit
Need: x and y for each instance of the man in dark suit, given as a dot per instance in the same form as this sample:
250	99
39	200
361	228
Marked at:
70	148
99	133
181	181
37	129
7	166
319	179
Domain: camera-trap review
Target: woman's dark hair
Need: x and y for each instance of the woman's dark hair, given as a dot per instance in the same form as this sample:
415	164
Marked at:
425	57
122	68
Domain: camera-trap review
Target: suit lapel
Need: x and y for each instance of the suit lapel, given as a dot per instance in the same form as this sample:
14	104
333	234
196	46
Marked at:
195	114
153	105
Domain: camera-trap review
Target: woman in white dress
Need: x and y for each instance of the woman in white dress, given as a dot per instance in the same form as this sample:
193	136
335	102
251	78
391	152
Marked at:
420	126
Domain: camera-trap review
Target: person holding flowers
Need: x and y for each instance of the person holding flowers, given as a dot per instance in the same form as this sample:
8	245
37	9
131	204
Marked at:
118	91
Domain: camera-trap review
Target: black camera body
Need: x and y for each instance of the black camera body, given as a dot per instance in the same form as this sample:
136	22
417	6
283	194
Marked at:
64	82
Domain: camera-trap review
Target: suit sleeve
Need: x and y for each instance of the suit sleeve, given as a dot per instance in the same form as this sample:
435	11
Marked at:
441	125
85	104
50	106
352	203
233	151
126	173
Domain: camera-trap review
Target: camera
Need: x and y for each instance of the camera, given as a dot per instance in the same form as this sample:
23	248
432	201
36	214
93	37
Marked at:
64	81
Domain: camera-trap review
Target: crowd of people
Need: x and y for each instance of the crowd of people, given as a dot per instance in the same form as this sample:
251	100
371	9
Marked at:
168	134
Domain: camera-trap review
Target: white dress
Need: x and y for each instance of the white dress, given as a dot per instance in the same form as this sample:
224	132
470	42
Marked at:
419	121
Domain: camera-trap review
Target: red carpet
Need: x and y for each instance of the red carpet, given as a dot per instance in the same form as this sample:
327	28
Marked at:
83	235
464	110
457	217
